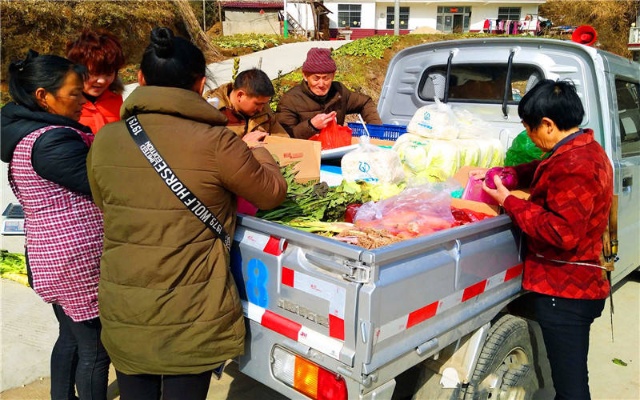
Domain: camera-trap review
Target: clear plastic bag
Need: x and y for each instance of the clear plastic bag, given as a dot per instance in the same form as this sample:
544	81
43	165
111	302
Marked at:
370	163
416	211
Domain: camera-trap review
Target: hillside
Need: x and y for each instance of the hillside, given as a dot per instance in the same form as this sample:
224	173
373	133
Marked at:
46	26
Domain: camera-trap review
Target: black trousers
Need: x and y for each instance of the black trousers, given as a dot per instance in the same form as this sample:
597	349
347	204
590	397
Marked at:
78	360
165	387
565	325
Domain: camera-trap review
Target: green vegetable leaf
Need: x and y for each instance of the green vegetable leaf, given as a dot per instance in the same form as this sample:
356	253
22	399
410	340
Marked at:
618	361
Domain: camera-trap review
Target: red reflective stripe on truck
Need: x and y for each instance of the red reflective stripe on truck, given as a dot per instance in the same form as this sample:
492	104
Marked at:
513	272
281	325
287	277
404	322
336	327
273	246
473	290
293	330
422	314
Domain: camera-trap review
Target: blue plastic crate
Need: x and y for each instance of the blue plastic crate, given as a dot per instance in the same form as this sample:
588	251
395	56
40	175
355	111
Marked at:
384	131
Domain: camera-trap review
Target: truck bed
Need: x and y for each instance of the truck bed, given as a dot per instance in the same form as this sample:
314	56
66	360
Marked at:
367	313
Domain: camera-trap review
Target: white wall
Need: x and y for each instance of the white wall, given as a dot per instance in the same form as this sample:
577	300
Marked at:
250	22
423	14
367	14
303	14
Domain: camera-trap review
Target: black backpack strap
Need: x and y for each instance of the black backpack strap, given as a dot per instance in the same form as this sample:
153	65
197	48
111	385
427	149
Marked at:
174	183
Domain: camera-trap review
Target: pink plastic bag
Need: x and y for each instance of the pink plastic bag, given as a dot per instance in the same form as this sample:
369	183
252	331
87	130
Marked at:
245	207
473	191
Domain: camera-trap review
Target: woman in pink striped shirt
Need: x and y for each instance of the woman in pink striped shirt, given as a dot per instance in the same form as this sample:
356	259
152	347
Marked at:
46	149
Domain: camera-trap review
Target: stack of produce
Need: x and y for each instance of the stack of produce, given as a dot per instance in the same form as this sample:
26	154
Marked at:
365	214
440	141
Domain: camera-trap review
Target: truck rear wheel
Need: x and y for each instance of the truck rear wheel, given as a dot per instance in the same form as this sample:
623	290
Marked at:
505	368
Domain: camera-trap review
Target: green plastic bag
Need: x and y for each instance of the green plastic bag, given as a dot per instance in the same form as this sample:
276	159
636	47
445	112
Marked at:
522	151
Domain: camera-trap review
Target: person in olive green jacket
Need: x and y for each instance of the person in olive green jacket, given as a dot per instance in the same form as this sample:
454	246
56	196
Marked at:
169	307
310	106
245	102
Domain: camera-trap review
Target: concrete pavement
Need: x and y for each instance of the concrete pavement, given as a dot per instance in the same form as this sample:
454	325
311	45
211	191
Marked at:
28	333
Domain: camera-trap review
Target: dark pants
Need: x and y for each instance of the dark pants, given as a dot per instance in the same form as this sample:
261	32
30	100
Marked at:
166	387
565	325
78	360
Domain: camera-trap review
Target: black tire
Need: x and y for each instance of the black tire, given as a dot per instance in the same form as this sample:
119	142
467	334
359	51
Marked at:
505	368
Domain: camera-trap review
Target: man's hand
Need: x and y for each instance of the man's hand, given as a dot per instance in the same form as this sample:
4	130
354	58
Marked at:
322	120
255	138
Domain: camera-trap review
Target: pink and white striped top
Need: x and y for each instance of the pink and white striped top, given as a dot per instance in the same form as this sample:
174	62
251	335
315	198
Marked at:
64	233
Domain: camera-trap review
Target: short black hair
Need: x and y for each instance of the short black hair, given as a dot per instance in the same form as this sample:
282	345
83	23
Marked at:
36	71
255	82
556	100
172	61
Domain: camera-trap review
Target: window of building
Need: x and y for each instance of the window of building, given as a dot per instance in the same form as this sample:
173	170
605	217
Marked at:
629	113
349	15
404	17
509	13
453	19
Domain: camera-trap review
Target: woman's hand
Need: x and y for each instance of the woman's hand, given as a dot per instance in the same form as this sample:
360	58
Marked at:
478	173
254	138
500	193
322	120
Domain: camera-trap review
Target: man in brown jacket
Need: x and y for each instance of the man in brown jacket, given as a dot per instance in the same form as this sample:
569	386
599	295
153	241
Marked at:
245	103
308	107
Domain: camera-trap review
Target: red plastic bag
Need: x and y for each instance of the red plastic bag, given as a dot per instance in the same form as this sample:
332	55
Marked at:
333	136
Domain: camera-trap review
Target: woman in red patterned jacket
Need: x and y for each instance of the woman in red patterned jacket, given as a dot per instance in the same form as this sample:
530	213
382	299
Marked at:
563	220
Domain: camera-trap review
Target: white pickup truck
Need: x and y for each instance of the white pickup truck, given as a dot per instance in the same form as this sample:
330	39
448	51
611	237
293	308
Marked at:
330	320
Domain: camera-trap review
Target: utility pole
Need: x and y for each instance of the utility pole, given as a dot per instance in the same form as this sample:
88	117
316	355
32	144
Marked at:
396	18
285	23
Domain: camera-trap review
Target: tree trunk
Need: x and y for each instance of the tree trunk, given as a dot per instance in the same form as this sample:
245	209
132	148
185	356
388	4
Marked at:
198	36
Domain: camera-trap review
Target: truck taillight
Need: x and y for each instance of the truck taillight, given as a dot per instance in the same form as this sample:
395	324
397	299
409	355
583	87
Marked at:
306	377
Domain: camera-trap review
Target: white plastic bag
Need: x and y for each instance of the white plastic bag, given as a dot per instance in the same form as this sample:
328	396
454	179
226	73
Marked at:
435	121
370	163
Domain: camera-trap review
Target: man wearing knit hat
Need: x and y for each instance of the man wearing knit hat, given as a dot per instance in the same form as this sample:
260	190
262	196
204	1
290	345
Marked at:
308	107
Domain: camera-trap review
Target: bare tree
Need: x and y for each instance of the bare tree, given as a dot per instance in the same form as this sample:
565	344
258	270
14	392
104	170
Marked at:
198	36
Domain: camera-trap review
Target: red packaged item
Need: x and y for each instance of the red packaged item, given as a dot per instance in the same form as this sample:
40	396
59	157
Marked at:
333	136
351	211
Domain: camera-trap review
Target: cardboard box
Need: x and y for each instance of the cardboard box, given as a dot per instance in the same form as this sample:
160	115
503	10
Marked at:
305	152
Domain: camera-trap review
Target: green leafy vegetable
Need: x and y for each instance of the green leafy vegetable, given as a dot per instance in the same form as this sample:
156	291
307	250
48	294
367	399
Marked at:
314	201
618	361
12	263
